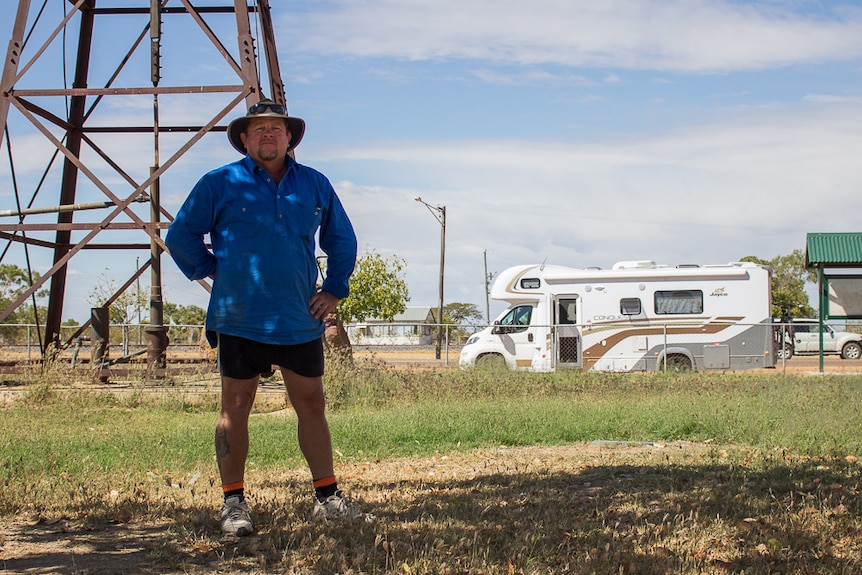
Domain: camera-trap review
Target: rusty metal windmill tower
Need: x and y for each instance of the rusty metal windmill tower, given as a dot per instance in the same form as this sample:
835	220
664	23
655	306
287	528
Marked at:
100	100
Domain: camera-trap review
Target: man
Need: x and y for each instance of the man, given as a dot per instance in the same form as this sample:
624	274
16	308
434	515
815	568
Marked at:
262	213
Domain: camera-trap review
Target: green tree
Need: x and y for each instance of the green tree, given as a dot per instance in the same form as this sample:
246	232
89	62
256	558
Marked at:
179	317
460	314
13	282
184	314
377	289
789	277
124	307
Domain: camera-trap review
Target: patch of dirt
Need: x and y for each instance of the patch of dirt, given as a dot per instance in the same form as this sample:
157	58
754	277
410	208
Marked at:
63	546
602	507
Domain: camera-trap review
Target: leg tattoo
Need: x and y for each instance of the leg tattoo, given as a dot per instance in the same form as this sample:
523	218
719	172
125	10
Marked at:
221	444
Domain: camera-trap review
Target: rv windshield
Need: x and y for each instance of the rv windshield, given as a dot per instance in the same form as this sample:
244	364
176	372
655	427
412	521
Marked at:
516	320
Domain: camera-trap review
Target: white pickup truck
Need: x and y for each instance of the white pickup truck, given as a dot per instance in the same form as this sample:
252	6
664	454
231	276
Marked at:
804	339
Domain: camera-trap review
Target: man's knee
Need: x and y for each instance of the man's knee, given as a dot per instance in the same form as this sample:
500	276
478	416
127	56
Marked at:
305	394
312	402
237	399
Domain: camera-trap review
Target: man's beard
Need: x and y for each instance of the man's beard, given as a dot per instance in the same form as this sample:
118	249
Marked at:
268	154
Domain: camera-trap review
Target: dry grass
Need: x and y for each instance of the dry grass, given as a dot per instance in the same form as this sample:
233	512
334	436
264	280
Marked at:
597	508
604	507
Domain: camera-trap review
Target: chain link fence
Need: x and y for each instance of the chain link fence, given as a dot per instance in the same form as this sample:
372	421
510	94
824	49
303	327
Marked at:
655	346
24	342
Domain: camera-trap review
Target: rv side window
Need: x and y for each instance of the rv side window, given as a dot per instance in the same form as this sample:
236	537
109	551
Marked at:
516	321
630	306
679	302
567	311
531	283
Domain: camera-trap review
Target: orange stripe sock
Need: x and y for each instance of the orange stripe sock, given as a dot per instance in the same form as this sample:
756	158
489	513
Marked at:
324	482
232	486
324	487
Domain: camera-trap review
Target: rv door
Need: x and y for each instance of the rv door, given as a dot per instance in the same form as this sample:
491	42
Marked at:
517	335
568	337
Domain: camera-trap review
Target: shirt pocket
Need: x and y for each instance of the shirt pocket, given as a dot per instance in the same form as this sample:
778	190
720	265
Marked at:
245	216
300	216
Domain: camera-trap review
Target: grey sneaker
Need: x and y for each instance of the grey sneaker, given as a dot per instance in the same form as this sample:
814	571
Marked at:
234	517
335	506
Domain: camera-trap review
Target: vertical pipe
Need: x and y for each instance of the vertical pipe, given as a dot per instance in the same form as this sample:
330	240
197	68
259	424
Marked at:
157	338
100	329
68	190
823	293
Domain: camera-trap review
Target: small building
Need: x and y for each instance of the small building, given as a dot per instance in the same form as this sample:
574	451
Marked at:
413	327
839	293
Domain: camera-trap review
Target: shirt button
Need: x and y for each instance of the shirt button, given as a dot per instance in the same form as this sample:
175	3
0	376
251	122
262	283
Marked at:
280	215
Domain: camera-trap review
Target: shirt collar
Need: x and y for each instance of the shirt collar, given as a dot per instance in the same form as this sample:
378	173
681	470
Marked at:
251	164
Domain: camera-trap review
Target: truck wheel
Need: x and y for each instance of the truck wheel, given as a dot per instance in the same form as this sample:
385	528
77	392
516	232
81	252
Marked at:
852	350
491	361
678	362
785	352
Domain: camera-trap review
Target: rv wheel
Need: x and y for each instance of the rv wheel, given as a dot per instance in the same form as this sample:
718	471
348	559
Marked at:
678	362
491	361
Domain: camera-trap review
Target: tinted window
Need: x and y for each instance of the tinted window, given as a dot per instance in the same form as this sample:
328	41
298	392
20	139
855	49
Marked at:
630	306
567	311
679	302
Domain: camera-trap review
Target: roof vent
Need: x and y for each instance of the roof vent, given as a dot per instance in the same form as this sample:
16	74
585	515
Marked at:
634	264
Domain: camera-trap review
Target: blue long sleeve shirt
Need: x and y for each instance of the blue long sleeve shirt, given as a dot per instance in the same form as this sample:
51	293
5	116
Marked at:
263	258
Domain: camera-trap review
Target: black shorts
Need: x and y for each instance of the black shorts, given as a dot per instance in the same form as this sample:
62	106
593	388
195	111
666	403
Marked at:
242	358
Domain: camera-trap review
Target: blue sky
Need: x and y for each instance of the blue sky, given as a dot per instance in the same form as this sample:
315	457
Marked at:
573	132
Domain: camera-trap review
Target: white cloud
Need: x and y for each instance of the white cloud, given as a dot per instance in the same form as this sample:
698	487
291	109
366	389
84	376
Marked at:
684	179
678	35
753	184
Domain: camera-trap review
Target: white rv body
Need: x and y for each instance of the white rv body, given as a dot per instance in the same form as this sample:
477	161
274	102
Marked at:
638	316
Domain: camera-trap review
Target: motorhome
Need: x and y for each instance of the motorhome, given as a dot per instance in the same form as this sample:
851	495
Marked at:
637	316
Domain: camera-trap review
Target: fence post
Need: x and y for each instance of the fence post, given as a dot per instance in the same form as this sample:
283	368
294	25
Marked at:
100	325
664	355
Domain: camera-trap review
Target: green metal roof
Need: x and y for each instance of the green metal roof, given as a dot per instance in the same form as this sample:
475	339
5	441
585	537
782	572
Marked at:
834	250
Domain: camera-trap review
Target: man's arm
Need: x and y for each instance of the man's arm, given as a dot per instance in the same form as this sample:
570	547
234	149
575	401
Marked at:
338	241
185	237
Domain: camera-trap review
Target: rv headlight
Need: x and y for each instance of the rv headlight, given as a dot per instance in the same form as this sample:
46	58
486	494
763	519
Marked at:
472	339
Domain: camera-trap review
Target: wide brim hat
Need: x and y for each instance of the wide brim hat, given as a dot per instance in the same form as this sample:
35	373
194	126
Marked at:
265	109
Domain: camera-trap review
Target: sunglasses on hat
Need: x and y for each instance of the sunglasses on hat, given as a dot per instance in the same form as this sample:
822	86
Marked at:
263	107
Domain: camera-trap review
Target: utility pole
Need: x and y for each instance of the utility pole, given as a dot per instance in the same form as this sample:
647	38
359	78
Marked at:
439	213
488	278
